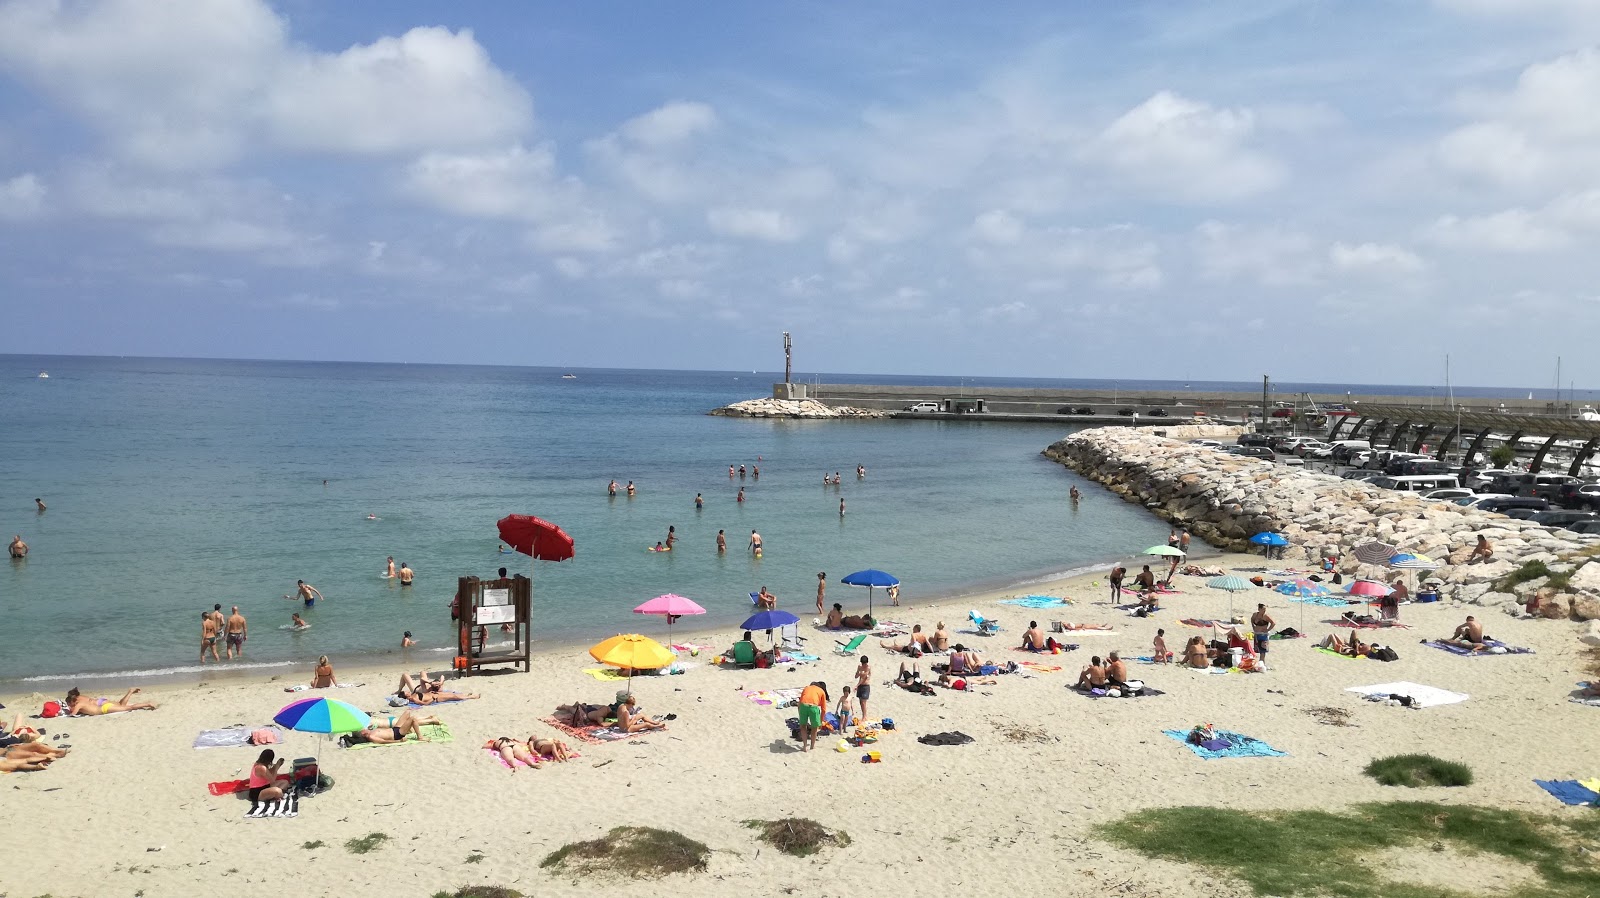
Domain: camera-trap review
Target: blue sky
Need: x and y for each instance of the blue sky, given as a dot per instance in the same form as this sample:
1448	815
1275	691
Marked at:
1317	190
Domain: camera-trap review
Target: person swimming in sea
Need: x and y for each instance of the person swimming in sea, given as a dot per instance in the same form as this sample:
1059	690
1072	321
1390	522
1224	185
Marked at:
296	622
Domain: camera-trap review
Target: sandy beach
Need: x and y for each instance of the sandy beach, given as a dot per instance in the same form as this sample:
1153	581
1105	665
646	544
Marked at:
128	811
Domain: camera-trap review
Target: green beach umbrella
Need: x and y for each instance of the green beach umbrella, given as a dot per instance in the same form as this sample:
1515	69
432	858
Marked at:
1164	550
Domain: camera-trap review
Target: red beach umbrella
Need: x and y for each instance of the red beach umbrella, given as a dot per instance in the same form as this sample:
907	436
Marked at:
535	537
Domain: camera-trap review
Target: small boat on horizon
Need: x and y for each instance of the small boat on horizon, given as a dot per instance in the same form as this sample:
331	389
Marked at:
45	375
569	377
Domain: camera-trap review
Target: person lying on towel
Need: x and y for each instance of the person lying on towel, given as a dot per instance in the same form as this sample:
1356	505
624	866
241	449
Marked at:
381	733
1355	648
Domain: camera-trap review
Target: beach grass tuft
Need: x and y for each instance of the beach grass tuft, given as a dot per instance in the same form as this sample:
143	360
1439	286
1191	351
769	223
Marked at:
366	843
480	892
1419	770
631	852
1322	853
1530	570
309	846
797	836
475	858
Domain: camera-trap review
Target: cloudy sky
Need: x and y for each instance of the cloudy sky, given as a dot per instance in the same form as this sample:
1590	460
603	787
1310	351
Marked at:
1330	191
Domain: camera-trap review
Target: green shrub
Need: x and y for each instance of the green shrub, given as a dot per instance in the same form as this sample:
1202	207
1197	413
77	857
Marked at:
1419	770
1530	570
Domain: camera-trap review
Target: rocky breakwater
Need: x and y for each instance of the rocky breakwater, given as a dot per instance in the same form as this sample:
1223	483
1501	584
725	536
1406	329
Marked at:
793	408
1224	499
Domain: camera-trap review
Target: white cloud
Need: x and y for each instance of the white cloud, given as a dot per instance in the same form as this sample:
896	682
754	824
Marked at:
1188	150
21	197
1510	231
427	89
771	225
187	84
999	227
669	124
1379	258
1544	131
1272	257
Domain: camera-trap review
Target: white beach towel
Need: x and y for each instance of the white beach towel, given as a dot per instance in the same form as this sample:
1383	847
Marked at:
1421	696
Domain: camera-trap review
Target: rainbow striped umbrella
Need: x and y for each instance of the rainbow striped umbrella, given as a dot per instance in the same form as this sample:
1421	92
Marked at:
321	715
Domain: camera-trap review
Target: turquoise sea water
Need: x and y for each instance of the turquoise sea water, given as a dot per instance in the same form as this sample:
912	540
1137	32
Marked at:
176	484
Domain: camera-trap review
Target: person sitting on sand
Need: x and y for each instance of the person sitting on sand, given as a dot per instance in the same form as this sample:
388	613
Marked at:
835	617
322	677
1146	580
1194	653
1468	636
1034	639
1484	550
79	704
629	720
264	776
917	643
380	733
1116	671
1093	676
963	661
511	751
940	640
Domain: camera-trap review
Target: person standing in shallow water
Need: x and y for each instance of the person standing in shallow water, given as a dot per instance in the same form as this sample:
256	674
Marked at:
722	543
822	588
699	503
672	536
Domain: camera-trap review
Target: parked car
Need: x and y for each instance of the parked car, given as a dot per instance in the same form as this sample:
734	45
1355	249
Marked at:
1260	452
1309	448
1283	413
1545	486
923	407
1083	410
1413	467
1475	501
1157	413
1521	514
1206	444
1323	452
1507	503
1359	458
1561	517
1356	474
1579	495
1589	526
1452	492
1252	439
1343	449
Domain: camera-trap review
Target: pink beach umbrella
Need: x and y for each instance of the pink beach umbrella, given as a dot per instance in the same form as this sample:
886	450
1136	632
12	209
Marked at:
671	606
1369	589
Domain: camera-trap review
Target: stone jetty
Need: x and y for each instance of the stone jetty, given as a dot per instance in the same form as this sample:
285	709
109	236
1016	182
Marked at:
1224	499
793	408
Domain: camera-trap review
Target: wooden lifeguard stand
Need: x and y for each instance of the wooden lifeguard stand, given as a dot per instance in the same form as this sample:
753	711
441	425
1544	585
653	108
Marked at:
484	604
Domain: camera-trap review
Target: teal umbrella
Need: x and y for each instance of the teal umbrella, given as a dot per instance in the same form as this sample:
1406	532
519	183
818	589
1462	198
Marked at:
1232	584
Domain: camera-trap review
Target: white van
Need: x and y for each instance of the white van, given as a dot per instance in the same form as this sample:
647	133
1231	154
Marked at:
1418	483
1343	449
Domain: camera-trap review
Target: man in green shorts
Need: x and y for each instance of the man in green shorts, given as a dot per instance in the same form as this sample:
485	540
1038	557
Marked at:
813	699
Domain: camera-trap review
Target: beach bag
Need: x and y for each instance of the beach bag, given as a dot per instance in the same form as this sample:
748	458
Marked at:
1337	578
1385	654
51	709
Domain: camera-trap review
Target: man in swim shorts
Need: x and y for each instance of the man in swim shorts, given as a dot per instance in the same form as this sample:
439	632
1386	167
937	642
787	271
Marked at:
307	593
813	699
238	630
1469	636
1261	627
19	549
208	637
405	574
755	543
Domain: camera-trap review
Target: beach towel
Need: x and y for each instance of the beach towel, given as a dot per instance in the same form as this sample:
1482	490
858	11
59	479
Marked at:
796	658
232	737
1335	654
1096	632
972	631
1591	701
448	701
1592	783
287	806
1037	602
1369	625
1291	573
1325	601
1210	670
689	647
1042	668
1421	696
775	698
1098	692
1491	643
1203	623
1569	791
229	787
1227	745
606	674
594	735
436	732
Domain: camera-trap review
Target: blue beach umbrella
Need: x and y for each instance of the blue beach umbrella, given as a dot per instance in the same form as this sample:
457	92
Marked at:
1303	589
1269	539
870	578
771	621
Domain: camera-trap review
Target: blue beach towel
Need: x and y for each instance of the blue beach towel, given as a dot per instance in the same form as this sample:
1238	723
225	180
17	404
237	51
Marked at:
1228	745
1469	653
1327	601
1569	791
1034	602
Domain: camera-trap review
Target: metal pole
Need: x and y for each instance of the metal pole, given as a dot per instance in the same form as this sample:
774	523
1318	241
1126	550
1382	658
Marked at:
1263	403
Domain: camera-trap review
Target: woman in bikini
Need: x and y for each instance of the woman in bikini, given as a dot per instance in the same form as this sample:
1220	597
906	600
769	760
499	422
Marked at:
423	691
322	677
1194	653
79	704
407	724
511	751
549	748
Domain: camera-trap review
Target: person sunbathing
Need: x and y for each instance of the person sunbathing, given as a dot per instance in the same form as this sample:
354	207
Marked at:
578	714
23	765
963	661
407	724
24	751
322	677
911	680
1064	626
511	752
963	683
1092	676
423	691
552	749
1355	648
79	704
630	721
1468	636
1194	653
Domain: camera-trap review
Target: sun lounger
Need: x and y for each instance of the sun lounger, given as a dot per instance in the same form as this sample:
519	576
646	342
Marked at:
849	648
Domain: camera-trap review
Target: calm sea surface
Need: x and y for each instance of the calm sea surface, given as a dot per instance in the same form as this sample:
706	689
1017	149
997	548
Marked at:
173	484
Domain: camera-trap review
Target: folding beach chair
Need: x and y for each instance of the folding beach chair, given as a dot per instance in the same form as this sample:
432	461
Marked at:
789	638
744	653
986	626
849	648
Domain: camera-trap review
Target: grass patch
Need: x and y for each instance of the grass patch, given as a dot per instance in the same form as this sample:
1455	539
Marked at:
309	846
1320	853
631	852
475	858
1334	717
1419	770
366	843
797	835
1530	570
480	892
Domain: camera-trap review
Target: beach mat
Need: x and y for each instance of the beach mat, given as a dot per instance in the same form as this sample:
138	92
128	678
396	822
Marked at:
1469	653
232	737
1227	745
1569	791
1374	625
606	674
1335	654
449	701
436	732
228	787
1036	602
1421	696
774	698
1324	601
591	734
1203	623
287	806
1041	668
1101	693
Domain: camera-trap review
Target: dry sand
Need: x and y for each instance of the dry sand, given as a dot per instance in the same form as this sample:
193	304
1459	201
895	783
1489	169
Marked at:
128	812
